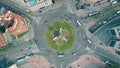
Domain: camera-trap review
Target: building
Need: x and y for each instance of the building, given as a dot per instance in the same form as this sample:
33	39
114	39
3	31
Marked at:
33	5
40	4
87	61
2	40
14	23
19	25
115	42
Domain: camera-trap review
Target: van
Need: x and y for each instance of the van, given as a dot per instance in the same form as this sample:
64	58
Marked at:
78	23
60	55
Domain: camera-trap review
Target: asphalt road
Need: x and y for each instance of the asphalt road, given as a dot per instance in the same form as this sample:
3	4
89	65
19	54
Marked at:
40	25
39	38
108	25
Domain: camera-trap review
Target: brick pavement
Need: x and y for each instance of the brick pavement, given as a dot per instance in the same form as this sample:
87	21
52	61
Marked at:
87	61
39	62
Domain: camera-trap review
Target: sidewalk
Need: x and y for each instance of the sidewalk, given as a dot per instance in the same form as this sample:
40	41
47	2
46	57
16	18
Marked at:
27	36
49	8
95	39
87	25
87	61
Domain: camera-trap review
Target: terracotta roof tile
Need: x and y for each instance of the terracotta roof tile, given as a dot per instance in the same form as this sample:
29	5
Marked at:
2	40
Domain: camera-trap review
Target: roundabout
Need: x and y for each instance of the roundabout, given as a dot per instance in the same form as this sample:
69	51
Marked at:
57	34
60	35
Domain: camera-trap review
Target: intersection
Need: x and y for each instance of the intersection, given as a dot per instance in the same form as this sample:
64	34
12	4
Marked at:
40	47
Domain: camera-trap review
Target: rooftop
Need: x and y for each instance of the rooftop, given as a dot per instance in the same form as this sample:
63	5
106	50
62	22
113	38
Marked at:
116	42
15	23
2	40
12	23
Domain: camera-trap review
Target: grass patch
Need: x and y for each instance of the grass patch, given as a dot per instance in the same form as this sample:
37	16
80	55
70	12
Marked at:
31	13
6	49
49	35
27	19
13	37
22	34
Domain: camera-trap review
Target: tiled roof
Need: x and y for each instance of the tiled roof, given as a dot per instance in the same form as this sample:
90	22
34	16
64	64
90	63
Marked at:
2	40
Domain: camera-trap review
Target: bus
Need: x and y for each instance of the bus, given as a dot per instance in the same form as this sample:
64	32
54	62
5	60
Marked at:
78	23
89	41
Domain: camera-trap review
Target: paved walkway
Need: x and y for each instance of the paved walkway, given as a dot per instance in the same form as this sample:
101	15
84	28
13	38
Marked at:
95	39
87	61
39	62
87	26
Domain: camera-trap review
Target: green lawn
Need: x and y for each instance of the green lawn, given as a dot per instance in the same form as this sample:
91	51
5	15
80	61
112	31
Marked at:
49	34
31	13
22	34
6	49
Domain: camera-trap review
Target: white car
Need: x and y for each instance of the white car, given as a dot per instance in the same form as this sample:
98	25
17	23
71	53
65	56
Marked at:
60	55
73	53
104	22
118	11
114	2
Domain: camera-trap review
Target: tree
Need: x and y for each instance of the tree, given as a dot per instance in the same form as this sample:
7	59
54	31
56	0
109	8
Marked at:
2	29
110	65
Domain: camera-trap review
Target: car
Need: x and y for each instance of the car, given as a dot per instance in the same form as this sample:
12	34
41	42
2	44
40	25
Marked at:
100	22
27	10
118	11
114	2
60	55
46	22
67	52
79	34
104	22
107	62
73	53
40	11
115	15
31	54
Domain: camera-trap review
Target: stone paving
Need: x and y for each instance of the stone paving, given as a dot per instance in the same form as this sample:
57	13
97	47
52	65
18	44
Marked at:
87	61
39	62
